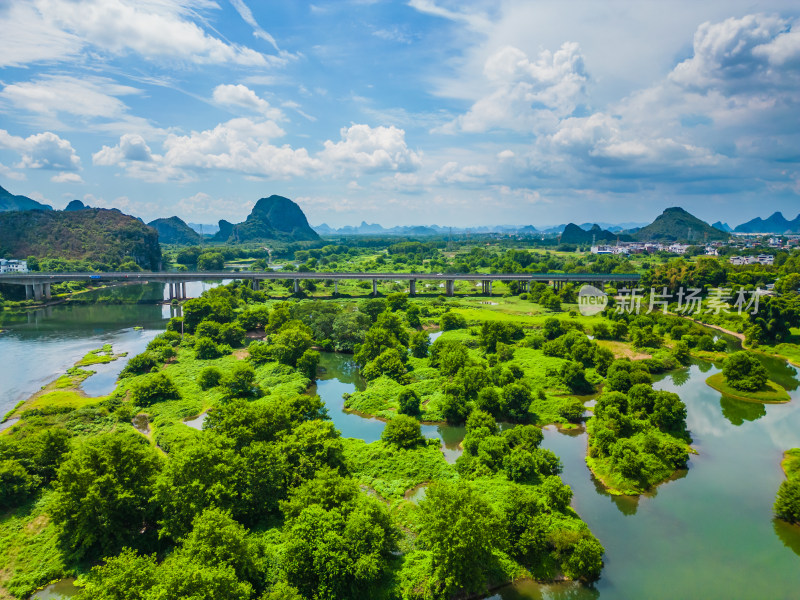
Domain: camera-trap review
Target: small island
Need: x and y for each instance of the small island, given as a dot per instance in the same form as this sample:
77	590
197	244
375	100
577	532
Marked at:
787	501
745	378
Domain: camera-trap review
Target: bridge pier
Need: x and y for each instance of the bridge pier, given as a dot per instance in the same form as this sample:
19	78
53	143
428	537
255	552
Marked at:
449	286
374	287
37	291
412	287
254	284
28	292
47	293
296	286
335	287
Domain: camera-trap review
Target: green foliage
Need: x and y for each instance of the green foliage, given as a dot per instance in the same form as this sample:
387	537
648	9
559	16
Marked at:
206	349
152	388
210	261
103	494
209	378
420	343
402	431
787	502
460	531
15	483
408	402
307	364
388	363
337	544
743	371
289	344
123	577
94	235
516	401
240	382
452	320
141	363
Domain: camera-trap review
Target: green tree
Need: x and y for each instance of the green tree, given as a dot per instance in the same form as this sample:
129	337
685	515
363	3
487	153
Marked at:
451	320
152	388
210	261
744	371
103	492
460	531
420	342
206	349
516	402
388	363
209	377
127	576
15	483
489	400
787	502
307	364
402	431
289	345
240	382
586	560
408	402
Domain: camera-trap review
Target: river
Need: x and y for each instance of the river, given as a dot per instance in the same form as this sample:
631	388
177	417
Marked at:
709	533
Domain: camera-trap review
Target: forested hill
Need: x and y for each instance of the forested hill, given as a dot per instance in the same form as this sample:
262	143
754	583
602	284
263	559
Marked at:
273	218
9	201
94	234
677	225
174	231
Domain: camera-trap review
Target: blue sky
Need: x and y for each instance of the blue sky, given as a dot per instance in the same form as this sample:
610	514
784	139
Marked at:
404	112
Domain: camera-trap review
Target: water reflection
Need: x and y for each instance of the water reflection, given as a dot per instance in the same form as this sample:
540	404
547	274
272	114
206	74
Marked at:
57	591
738	411
788	534
531	590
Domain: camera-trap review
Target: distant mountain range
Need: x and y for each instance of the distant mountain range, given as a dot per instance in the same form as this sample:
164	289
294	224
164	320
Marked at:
9	202
775	223
573	234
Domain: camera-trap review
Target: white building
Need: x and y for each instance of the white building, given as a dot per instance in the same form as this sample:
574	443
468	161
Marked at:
764	259
13	266
602	250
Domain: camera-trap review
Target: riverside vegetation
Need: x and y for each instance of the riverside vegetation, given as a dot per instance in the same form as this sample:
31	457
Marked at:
268	501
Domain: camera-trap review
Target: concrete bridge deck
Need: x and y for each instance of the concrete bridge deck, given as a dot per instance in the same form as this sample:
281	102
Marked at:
37	285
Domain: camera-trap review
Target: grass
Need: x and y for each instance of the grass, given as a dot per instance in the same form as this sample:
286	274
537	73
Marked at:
62	399
774	395
791	463
392	471
29	551
623	349
789	350
99	356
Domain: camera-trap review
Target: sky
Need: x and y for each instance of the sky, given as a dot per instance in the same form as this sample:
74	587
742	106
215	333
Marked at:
407	112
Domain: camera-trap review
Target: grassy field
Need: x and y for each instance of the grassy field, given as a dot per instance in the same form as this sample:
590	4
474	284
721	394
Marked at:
29	551
774	395
791	463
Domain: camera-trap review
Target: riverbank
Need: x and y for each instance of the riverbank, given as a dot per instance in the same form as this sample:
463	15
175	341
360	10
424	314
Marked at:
66	392
775	395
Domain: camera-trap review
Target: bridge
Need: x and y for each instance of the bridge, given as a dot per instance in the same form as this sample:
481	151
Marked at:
37	285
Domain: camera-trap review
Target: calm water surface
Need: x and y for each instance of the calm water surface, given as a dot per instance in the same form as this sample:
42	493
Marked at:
709	533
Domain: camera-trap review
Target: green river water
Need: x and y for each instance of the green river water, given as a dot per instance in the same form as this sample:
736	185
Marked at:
709	533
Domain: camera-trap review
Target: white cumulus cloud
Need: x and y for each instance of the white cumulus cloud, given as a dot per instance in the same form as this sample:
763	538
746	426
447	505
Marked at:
42	151
369	149
524	94
243	97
